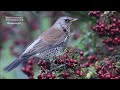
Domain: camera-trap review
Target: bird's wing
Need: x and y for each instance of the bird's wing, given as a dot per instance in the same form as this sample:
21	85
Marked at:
54	36
47	40
37	46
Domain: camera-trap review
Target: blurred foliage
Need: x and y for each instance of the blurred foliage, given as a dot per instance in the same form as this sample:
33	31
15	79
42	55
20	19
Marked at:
35	22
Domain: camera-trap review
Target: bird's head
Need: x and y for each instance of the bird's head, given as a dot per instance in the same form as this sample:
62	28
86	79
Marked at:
64	23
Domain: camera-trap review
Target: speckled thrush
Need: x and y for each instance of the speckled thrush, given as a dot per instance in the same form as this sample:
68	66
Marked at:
49	44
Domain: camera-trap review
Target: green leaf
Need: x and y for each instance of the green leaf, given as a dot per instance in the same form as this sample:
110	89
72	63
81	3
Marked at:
89	74
97	63
118	65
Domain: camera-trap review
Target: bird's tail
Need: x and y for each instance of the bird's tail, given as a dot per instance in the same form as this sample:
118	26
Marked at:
14	64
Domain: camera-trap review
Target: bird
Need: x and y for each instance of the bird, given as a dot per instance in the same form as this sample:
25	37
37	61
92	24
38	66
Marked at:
49	44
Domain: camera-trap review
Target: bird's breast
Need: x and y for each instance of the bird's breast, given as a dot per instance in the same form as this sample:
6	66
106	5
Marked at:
50	53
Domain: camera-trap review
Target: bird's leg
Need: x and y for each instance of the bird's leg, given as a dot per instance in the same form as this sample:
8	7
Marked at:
53	65
54	57
57	67
52	62
48	63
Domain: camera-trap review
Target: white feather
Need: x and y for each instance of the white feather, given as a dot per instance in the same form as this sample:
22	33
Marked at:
31	46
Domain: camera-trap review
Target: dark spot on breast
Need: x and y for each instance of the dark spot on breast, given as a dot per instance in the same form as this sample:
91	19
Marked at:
64	30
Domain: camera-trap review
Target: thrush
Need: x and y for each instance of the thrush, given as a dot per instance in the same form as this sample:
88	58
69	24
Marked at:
49	44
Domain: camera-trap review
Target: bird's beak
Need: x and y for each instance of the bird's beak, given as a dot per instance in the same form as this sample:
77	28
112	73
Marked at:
74	19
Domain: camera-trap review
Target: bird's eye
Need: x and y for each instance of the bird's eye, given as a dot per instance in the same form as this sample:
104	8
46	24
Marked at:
67	20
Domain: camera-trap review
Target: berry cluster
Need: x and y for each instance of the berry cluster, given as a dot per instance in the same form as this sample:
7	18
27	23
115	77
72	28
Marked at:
62	64
95	13
46	76
108	28
69	62
67	66
28	70
44	67
108	70
112	42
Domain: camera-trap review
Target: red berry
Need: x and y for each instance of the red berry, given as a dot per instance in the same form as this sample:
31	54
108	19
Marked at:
100	72
99	66
61	61
113	25
48	75
65	56
81	53
116	78
31	77
89	57
108	76
77	72
70	65
30	67
30	62
75	36
67	60
81	74
39	76
111	49
82	58
103	41
102	25
114	20
23	69
102	76
53	76
30	73
75	61
27	70
116	39
110	67
71	60
87	63
66	74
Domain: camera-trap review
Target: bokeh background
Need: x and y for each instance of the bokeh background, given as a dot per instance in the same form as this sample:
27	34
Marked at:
15	38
